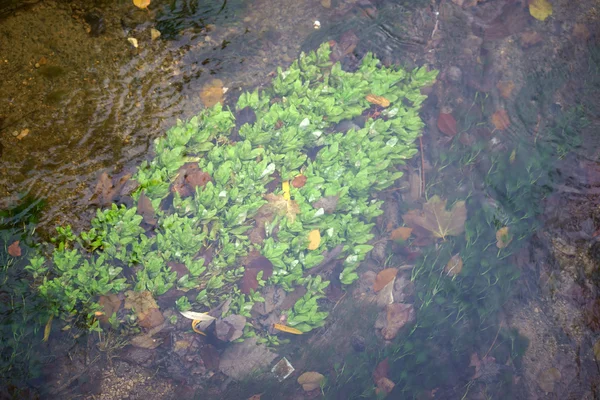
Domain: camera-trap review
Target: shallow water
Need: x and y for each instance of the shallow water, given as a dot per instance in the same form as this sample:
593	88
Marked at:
509	128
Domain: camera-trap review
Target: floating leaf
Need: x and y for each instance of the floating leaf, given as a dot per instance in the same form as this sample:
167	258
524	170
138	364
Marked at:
285	186
280	206
14	250
447	124
154	33
383	278
505	88
310	381
401	233
22	134
454	266
379	100
540	9
314	237
287	329
195	322
141	3
500	119
212	93
436	219
197	316
503	237
299	181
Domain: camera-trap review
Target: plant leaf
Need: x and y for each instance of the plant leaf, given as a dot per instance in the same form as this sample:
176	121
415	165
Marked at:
436	219
314	238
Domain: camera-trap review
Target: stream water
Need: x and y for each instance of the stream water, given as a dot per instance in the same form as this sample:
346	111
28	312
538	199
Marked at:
506	307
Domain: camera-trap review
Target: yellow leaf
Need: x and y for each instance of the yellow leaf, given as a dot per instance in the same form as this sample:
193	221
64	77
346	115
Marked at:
454	266
194	323
540	9
315	239
503	237
288	329
285	186
379	100
48	328
141	3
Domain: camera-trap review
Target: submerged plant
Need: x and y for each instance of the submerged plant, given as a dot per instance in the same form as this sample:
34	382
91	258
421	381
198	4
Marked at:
217	191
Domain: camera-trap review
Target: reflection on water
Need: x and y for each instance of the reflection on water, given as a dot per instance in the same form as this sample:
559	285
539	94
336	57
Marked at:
505	302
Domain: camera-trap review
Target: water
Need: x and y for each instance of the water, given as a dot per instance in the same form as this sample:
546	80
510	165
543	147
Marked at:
509	129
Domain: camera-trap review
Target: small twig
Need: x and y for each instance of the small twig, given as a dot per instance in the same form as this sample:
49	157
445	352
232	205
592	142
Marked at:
338	302
493	343
422	166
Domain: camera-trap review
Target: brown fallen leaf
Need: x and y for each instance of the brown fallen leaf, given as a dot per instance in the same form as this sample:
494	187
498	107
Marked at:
447	124
310	380
145	209
383	278
454	266
230	328
108	189
530	38
435	219
314	239
397	315
253	264
501	120
328	204
14	250
299	181
384	385
145	307
401	233
581	31
505	88
141	3
547	379
278	205
382	370
255	397
503	237
212	93
379	100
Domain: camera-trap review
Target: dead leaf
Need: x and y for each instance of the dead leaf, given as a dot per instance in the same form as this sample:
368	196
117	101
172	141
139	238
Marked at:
447	124
195	324
110	304
382	370
193	315
230	328
547	378
287	329
397	315
581	31
310	380
154	34
540	9
145	209
189	176
530	38
146	309
328	204
314	238
436	219
285	187
145	341
48	328
253	264
280	206
22	134
503	237
482	366
454	266
597	350
14	250
379	100
107	190
505	88
141	3
383	278
299	181
255	397
501	120
239	360
212	93
401	233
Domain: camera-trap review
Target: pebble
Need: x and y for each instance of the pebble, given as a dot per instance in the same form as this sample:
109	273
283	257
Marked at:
454	74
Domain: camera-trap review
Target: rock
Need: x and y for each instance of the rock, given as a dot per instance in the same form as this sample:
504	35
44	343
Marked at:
230	328
397	315
358	343
379	252
242	359
454	74
310	380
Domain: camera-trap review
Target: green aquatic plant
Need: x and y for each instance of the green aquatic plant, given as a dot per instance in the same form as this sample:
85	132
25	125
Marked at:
208	188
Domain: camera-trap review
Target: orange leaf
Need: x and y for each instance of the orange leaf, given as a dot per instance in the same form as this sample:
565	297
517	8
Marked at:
299	181
212	93
505	88
141	3
447	124
314	238
383	278
379	100
500	119
288	329
402	233
503	237
14	250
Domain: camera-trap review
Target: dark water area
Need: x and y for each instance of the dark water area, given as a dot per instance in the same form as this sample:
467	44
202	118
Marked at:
480	275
